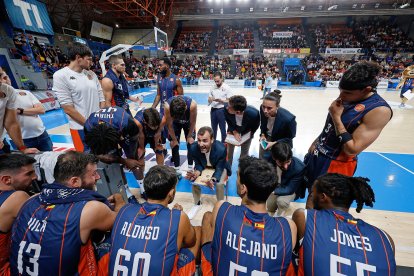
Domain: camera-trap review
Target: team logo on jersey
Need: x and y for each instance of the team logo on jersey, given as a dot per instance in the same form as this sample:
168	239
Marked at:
72	78
50	207
359	107
21	93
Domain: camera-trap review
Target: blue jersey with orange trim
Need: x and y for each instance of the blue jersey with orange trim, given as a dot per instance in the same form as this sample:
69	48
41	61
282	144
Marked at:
186	117
335	242
250	242
144	239
46	241
120	91
4	237
166	87
328	142
116	117
148	132
408	85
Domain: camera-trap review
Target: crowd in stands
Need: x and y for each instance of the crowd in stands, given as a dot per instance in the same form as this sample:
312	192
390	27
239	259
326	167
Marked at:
254	67
194	40
29	49
297	40
373	34
331	68
235	37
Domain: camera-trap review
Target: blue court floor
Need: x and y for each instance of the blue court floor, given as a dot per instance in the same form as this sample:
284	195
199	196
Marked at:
391	174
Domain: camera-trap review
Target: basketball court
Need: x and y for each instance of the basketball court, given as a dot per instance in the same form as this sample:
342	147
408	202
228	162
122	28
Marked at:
387	163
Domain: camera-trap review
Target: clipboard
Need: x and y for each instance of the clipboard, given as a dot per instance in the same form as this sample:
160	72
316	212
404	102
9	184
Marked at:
231	140
205	176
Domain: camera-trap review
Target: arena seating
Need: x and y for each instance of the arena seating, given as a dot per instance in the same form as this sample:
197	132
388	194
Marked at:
298	39
235	37
194	40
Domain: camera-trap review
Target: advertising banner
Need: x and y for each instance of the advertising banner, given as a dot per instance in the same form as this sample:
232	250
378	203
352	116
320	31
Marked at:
282	34
343	51
240	51
304	50
101	30
232	83
29	15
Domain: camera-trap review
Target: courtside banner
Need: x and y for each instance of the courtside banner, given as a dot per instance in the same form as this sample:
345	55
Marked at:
232	83
282	34
101	30
29	15
240	51
343	51
47	99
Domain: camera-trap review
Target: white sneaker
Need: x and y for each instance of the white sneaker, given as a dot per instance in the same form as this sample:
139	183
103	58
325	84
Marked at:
193	211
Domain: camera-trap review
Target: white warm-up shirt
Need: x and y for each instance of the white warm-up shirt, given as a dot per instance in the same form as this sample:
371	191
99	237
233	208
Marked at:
31	125
223	92
7	101
82	90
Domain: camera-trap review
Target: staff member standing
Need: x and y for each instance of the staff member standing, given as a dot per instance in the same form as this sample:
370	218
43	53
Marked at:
219	95
115	86
78	91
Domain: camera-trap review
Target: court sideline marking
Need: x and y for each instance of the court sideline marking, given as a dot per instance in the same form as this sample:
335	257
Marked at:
395	163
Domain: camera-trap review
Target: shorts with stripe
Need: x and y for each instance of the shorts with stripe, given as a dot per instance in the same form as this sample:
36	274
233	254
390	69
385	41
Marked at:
78	138
206	267
319	164
186	265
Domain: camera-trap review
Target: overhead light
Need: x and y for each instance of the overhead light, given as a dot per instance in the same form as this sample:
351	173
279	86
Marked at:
334	7
285	9
221	11
236	10
163	13
157	19
302	8
320	7
377	5
116	25
265	9
362	6
98	11
354	6
251	9
211	10
406	5
218	1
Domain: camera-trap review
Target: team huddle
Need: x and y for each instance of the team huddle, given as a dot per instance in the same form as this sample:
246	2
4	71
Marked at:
68	228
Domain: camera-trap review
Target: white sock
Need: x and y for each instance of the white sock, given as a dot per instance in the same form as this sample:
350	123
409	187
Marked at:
141	185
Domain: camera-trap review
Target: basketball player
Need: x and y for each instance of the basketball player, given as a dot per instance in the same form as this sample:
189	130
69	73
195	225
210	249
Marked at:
78	91
109	128
147	237
52	235
246	239
150	124
406	84
115	86
168	84
16	176
180	114
354	122
336	243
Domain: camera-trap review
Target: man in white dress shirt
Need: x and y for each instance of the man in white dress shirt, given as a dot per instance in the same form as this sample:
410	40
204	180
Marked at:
219	94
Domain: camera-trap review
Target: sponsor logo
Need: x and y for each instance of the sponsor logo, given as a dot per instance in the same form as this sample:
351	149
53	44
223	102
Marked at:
359	107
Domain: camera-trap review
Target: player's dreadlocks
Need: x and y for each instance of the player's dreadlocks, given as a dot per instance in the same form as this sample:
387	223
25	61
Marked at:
343	190
102	139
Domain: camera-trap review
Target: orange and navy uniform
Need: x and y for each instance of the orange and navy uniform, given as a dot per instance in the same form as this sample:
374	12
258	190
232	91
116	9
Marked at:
166	88
144	240
4	239
249	243
336	243
328	156
186	265
46	237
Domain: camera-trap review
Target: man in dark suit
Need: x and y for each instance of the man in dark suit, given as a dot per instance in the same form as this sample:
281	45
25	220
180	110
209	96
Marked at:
241	119
208	153
290	171
276	124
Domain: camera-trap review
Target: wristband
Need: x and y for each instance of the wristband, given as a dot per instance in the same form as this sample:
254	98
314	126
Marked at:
344	137
20	110
22	148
